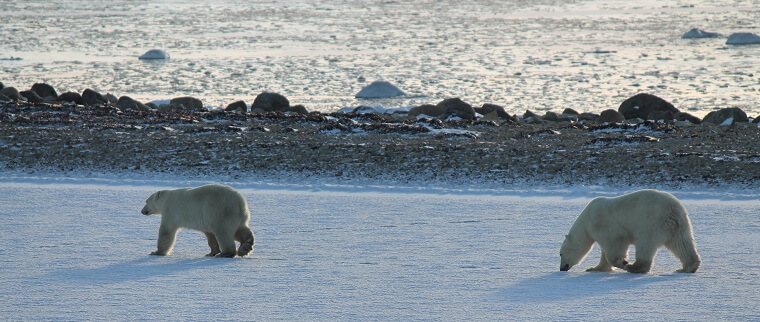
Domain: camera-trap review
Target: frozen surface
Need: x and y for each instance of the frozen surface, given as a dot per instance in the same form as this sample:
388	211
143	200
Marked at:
538	55
78	251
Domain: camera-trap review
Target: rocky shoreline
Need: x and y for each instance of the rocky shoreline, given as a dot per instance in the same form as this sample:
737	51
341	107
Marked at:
67	137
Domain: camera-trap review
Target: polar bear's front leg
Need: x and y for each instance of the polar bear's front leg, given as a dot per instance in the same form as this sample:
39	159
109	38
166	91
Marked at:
166	237
604	265
616	253
212	243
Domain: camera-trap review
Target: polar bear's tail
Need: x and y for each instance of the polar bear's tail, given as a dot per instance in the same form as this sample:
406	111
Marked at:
682	244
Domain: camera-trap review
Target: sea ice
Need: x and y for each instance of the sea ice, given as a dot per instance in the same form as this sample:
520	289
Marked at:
743	38
155	54
698	33
380	89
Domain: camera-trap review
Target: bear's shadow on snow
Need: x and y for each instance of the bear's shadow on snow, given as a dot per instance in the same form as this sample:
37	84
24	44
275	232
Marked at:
559	286
138	269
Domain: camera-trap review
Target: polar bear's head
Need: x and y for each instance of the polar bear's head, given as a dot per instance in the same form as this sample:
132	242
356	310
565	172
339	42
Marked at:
571	253
153	203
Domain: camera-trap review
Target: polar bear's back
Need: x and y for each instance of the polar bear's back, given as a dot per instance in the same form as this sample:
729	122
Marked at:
639	210
205	206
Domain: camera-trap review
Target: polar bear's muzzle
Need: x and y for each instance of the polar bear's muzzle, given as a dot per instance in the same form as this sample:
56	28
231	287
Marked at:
564	268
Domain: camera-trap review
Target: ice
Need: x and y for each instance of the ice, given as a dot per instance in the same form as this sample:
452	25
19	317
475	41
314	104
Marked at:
694	33
743	38
155	54
77	249
728	121
380	89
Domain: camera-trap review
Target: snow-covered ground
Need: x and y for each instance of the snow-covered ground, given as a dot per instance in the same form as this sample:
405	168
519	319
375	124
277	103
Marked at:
78	249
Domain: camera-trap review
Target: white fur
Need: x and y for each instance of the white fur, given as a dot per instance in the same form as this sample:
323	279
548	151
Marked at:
217	210
647	219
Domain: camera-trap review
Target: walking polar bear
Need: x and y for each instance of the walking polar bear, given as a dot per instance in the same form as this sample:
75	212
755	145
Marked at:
647	219
218	211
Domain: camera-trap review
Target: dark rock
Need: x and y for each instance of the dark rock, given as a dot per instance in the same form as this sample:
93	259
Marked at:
4	98
172	108
665	116
91	97
111	99
427	109
588	117
640	105
11	92
695	33
721	116
1	85
500	111
554	117
152	105
529	114
456	107
611	116
682	116
191	104
71	97
271	102
300	109
127	103
44	90
31	96
237	107
756	120
570	111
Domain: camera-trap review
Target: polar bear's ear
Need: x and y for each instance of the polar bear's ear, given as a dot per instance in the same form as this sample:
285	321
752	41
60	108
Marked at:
158	194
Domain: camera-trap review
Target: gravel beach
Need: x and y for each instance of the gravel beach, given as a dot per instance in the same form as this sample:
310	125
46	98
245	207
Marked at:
41	137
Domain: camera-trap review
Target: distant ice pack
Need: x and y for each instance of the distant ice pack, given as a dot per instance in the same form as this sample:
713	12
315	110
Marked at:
155	54
380	89
743	38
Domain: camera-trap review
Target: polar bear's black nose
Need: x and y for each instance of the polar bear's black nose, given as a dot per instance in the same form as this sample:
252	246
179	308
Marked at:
565	268
144	212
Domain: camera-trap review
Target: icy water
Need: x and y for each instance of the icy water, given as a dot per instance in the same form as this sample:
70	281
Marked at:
537	55
80	252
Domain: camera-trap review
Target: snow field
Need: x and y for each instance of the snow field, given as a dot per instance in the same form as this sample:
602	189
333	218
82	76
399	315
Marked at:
77	251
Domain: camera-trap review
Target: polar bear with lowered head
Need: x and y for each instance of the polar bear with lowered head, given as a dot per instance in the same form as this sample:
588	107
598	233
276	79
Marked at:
218	211
648	219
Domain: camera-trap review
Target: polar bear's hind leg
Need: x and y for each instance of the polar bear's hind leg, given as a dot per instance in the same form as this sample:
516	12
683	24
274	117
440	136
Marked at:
212	243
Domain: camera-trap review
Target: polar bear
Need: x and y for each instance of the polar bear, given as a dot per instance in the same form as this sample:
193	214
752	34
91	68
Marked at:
218	211
647	219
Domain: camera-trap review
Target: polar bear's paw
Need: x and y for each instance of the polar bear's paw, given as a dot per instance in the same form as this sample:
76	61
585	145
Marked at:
638	267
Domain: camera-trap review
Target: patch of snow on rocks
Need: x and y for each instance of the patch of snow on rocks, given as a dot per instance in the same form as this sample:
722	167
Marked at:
728	121
380	89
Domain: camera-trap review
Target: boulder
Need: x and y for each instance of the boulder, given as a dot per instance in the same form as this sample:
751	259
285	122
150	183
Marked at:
554	117
271	102
172	108
154	54
71	97
380	89
570	111
300	109
237	107
127	103
591	117
31	96
529	114
1	85
500	111
11	92
682	116
152	105
191	104
457	107
756	120
611	116
665	116
91	97
640	105
726	116
4	98
743	38
696	33
111	99
427	109
44	90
